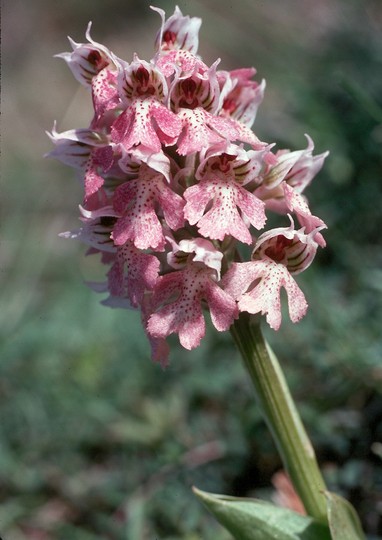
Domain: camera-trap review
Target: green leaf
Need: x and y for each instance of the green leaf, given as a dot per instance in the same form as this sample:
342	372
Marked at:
251	519
343	519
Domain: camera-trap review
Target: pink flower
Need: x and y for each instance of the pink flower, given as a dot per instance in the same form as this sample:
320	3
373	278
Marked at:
257	284
178	296
264	297
138	202
221	190
178	300
239	100
244	97
296	168
196	99
146	120
285	181
294	249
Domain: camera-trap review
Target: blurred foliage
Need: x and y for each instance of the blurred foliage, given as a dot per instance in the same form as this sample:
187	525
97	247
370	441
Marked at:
96	441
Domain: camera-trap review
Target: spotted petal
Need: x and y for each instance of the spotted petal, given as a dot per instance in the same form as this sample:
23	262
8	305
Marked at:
264	280
137	201
225	196
201	129
146	122
105	94
178	297
132	273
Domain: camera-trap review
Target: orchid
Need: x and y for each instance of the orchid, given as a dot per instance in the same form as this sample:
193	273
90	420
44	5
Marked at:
175	184
170	148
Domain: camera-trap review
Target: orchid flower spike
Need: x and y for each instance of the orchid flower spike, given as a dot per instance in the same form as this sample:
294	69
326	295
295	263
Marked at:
175	182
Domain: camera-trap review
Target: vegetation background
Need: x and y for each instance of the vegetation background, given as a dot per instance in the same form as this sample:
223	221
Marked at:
96	441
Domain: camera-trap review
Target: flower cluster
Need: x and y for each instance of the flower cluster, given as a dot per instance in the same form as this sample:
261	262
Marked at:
175	182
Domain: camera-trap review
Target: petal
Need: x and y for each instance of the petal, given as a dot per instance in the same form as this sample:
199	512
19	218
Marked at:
168	123
201	251
277	173
242	102
223	308
268	278
225	195
139	222
178	297
157	161
146	122
181	61
143	229
142	274
104	92
71	153
195	134
93	181
252	207
239	278
172	206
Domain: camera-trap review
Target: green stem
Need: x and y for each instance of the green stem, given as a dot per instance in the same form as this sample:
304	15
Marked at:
281	415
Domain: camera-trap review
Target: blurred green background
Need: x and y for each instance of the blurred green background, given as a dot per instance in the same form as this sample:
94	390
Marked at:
96	441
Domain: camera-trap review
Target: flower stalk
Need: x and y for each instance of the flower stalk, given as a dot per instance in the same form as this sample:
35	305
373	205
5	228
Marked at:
281	415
